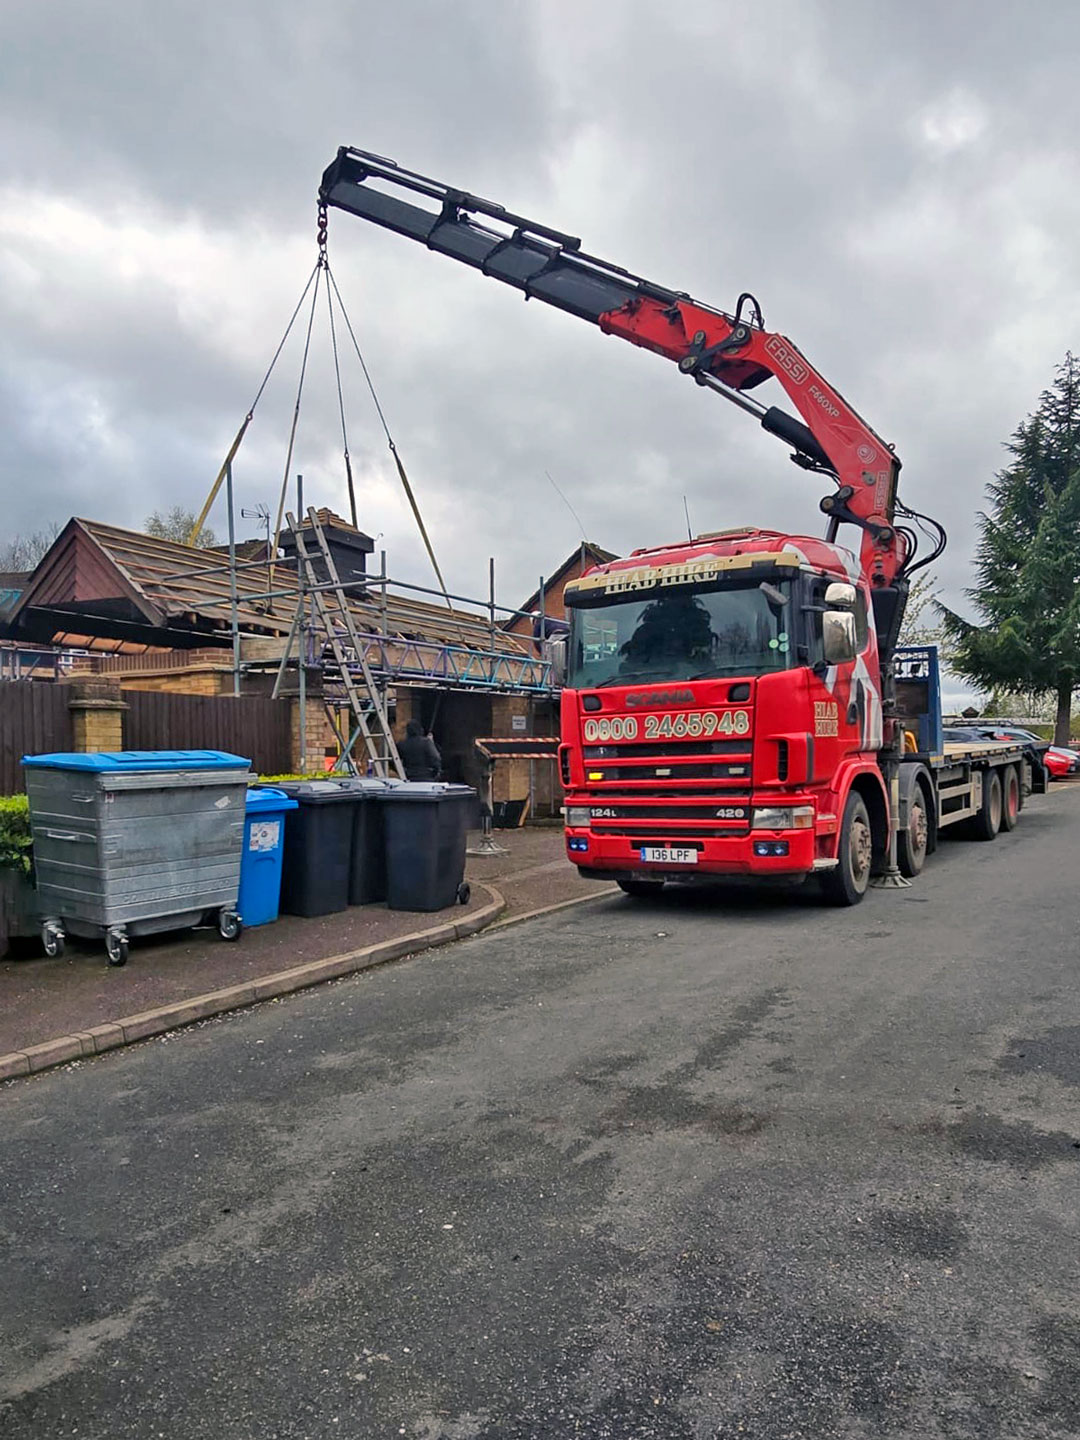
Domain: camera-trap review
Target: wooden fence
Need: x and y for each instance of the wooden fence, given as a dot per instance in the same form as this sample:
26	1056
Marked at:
34	718
243	725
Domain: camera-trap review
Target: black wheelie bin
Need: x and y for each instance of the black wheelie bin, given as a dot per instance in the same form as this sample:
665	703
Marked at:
318	848
367	866
426	825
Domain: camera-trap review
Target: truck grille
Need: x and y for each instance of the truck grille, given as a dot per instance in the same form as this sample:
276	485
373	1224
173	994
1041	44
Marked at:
653	749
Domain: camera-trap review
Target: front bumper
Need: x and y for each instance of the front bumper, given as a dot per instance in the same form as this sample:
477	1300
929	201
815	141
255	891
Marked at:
619	857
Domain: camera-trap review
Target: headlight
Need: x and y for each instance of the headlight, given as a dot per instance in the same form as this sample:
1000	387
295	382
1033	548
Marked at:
577	815
782	817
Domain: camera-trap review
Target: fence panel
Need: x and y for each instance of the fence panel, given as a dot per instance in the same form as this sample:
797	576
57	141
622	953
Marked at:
34	718
243	725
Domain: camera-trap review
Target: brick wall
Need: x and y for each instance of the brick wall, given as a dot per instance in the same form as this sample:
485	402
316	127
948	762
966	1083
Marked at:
197	681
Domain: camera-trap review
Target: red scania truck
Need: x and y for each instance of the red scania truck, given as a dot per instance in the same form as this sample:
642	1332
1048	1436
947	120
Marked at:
736	704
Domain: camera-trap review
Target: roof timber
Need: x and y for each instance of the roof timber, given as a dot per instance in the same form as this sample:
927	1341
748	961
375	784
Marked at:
105	583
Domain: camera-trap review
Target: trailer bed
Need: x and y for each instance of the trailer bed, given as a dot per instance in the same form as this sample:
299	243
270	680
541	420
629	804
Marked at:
957	752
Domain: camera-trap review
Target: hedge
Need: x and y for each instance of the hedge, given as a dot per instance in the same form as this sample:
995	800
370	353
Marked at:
15	836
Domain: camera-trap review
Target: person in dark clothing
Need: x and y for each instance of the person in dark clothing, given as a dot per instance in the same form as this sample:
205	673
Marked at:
419	754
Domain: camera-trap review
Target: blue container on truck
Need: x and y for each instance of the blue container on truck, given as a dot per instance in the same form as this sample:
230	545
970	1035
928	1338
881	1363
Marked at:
136	841
264	849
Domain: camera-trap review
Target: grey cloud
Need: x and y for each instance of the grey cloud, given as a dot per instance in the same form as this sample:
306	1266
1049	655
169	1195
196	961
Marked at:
789	149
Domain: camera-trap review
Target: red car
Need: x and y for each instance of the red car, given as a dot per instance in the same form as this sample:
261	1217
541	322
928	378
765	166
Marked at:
1061	762
1058	760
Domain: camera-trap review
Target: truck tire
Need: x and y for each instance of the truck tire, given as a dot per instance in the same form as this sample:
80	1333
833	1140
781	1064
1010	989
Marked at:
1011	798
847	884
912	843
986	824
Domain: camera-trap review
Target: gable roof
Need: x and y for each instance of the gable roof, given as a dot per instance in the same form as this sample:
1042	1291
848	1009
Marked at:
584	554
101	580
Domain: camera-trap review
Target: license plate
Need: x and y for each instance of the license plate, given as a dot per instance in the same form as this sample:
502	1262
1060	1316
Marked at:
667	855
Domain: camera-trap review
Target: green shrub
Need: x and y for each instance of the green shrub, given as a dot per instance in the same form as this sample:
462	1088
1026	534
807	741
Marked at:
277	779
15	835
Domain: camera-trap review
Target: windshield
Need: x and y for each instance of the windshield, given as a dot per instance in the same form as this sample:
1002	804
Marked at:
682	635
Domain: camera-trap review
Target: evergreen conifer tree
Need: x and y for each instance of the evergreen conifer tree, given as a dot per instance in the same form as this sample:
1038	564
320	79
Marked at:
1027	562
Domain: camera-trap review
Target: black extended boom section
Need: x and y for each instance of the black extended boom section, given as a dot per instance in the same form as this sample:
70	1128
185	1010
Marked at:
542	263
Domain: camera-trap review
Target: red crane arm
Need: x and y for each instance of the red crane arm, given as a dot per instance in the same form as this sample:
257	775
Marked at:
728	354
733	355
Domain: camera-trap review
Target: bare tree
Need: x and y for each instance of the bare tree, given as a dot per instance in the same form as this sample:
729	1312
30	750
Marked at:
177	525
922	624
22	553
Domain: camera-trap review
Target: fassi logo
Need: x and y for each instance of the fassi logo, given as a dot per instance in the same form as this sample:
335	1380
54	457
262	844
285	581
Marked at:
637	698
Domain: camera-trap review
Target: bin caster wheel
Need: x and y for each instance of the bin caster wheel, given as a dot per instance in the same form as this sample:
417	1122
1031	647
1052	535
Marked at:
464	892
229	925
53	942
116	948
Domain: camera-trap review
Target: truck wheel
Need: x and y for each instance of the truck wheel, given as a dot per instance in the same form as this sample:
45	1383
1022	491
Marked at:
846	885
641	889
1011	799
987	822
911	844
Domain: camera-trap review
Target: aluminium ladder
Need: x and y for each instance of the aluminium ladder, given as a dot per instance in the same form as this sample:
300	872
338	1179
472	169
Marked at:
367	704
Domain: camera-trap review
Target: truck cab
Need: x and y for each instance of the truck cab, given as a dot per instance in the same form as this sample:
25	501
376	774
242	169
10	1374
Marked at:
723	699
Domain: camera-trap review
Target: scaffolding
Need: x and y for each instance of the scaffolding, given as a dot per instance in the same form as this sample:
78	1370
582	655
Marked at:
364	637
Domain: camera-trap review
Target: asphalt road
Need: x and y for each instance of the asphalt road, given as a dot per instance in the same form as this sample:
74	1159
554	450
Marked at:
696	1168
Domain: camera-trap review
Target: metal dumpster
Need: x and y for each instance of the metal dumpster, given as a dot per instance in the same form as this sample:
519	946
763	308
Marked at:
135	842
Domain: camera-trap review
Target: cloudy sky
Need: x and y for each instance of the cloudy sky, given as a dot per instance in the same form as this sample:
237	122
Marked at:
896	182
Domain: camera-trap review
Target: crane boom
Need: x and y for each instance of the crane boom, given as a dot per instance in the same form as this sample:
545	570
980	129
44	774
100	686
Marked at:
731	354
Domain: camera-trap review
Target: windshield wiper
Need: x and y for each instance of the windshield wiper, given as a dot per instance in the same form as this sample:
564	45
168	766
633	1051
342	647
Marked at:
632	677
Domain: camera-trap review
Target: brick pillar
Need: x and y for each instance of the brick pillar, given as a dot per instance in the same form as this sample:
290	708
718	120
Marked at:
319	734
97	716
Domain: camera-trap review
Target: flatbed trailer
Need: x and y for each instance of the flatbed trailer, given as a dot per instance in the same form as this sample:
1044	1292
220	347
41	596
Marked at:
979	785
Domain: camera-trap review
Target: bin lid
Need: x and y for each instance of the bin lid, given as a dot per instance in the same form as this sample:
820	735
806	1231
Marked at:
126	762
318	792
268	797
426	790
365	784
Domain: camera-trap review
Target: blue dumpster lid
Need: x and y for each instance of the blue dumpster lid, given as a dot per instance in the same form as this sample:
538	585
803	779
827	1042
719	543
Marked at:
267	797
121	762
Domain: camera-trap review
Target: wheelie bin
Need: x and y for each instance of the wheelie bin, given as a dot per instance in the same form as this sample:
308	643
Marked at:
264	850
367	864
136	841
426	825
318	847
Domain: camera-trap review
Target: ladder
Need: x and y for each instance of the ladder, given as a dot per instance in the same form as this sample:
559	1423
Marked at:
367	704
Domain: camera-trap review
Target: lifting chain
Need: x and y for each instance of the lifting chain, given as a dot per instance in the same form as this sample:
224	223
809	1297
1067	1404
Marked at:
321	235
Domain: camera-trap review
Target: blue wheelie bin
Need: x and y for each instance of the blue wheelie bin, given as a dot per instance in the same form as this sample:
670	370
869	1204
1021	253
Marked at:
264	849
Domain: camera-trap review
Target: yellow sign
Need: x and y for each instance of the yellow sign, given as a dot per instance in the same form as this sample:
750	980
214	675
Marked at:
685	572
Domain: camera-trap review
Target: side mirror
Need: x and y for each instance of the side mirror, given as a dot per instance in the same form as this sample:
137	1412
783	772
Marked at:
839	596
838	634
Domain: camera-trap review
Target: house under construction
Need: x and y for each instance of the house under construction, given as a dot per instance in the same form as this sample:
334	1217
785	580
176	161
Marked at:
357	653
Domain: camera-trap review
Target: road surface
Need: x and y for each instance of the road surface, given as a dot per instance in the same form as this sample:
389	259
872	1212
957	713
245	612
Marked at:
700	1168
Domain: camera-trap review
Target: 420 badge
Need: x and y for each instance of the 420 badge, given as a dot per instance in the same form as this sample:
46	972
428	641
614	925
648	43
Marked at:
683	725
